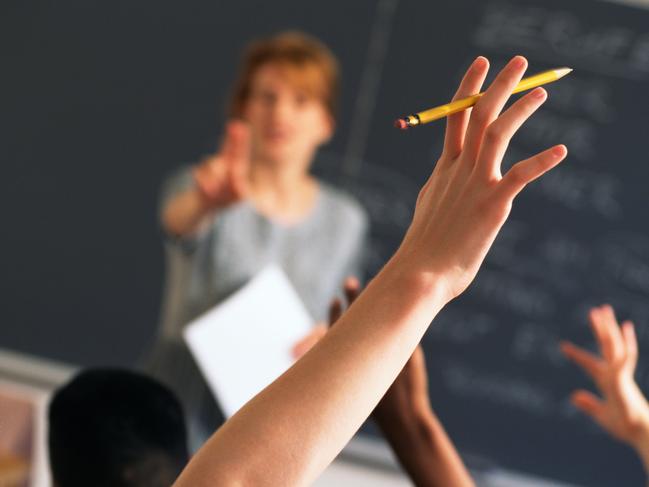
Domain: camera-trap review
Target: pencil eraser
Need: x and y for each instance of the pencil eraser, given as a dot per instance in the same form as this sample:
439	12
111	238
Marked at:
400	123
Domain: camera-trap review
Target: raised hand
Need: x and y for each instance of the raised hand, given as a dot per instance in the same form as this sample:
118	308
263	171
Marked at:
309	413
220	180
466	200
223	178
622	410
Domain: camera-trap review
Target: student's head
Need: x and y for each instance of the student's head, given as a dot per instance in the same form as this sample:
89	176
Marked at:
115	428
287	91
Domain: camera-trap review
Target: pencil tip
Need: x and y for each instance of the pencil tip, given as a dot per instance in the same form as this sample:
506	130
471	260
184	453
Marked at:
561	72
400	123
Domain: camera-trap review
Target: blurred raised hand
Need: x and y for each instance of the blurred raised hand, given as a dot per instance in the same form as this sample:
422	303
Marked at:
621	409
219	181
223	178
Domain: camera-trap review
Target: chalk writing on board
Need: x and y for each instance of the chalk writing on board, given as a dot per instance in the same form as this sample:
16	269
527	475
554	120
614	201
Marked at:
564	251
498	389
546	128
577	189
500	288
625	259
556	34
534	342
585	97
583	190
461	326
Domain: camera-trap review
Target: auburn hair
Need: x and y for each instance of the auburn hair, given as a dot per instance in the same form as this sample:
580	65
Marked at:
305	61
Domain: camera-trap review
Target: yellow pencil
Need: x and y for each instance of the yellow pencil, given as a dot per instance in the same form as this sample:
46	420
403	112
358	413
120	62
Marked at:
459	105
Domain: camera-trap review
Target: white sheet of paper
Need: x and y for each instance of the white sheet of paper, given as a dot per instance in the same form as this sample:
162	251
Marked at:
244	343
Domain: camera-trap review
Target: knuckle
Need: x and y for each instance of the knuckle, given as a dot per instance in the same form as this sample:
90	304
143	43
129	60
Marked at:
484	206
421	196
495	134
632	421
624	355
479	114
516	174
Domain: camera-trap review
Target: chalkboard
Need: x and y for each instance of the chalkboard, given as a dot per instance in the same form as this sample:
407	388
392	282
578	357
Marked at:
101	101
577	238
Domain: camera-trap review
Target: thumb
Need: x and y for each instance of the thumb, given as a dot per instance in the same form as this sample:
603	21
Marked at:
590	405
237	154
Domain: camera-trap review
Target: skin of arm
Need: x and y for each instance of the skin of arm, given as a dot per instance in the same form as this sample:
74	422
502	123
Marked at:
305	344
289	432
408	422
220	181
622	411
414	432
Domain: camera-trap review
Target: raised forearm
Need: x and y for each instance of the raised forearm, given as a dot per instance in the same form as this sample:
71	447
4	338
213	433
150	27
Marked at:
318	404
424	450
643	452
641	445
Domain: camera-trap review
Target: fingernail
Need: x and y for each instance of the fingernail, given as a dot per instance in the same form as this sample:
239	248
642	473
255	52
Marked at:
559	150
519	61
480	62
539	93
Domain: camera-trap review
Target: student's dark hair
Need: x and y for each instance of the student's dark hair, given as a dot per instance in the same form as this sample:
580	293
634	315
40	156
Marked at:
110	427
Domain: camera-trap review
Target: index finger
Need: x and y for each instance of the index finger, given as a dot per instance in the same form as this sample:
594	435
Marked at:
456	124
491	104
236	147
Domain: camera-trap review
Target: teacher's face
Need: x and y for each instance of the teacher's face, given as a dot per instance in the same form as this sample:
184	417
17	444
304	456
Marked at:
287	123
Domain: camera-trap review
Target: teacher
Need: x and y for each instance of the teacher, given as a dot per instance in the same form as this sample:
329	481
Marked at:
255	203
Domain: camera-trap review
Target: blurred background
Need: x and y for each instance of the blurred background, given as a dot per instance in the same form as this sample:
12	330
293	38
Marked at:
101	101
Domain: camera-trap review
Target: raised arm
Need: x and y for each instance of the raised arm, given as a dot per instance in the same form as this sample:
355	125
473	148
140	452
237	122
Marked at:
219	181
414	432
295	427
409	424
622	410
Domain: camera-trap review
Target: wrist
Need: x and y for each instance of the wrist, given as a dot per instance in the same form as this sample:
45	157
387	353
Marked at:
641	443
407	266
405	271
